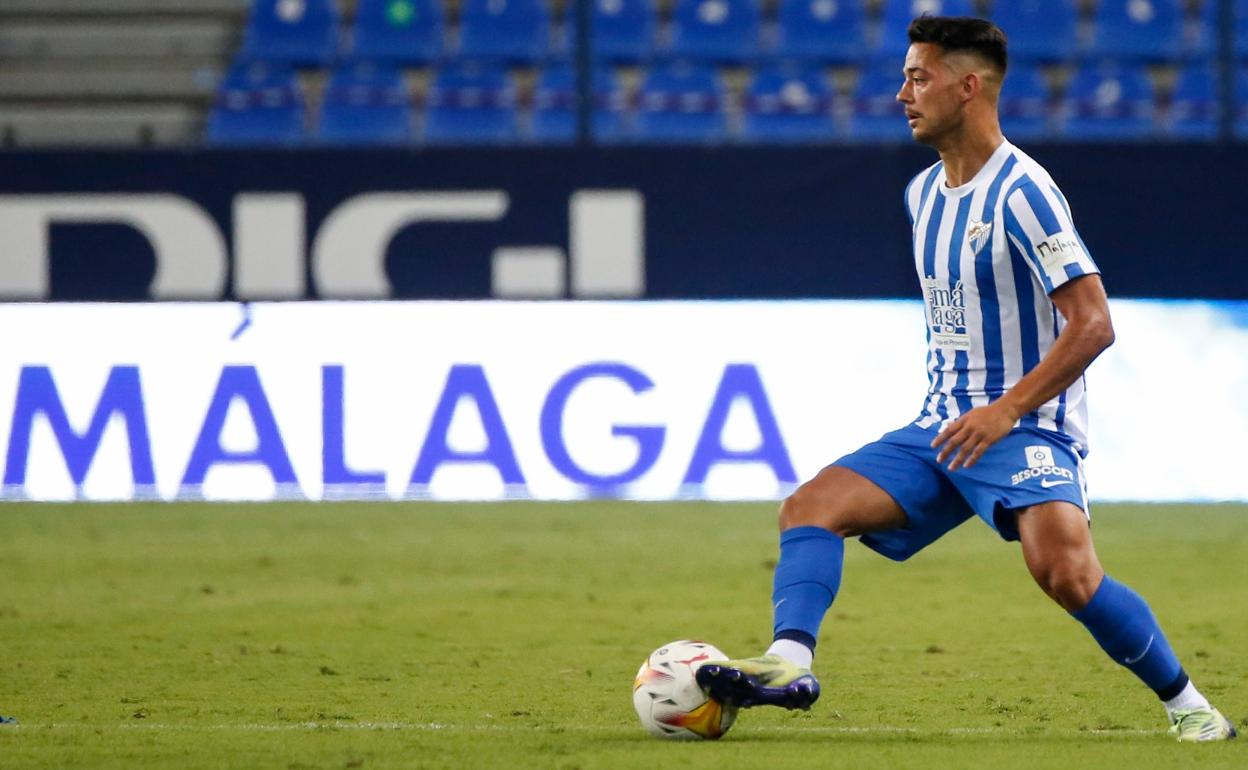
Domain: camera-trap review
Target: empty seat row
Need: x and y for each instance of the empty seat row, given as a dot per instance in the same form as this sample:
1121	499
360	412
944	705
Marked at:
414	31
369	103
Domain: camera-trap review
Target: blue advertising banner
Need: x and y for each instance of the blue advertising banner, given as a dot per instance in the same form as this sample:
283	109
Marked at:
1162	221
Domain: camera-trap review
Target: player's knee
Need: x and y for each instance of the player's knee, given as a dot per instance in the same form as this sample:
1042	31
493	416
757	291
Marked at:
806	507
1071	585
795	510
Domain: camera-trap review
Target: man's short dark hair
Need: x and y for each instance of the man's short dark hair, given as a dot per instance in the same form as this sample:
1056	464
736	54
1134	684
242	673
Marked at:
961	33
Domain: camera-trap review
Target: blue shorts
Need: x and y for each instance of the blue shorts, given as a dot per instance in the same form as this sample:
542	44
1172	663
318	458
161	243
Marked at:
1027	467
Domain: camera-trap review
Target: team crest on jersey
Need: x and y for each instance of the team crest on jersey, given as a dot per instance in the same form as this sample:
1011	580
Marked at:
977	233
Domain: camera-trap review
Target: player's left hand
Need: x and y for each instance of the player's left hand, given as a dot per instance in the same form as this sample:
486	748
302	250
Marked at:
969	436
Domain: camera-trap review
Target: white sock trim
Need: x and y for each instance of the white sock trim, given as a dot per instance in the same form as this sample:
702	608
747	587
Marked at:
1190	698
794	652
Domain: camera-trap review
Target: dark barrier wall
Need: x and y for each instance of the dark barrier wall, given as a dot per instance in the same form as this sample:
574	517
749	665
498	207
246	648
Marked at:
1162	221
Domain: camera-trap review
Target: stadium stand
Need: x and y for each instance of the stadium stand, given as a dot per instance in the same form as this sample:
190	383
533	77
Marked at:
403	31
148	72
365	102
1137	29
680	103
1039	30
789	105
1202	38
111	72
516	31
1107	102
1194	110
555	103
623	31
302	32
471	103
875	114
897	15
260	103
715	30
1024	103
821	30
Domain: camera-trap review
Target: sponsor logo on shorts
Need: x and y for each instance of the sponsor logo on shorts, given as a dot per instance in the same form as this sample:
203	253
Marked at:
1041	465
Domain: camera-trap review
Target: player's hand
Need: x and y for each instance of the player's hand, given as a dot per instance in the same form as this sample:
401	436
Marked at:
969	436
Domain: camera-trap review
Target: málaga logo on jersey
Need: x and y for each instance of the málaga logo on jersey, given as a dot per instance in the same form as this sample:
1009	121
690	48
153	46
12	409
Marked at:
1060	249
946	313
977	235
1040	462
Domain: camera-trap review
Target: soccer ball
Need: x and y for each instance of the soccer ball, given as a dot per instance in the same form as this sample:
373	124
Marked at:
669	702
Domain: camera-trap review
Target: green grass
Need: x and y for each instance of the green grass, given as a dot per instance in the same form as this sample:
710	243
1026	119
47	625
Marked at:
476	636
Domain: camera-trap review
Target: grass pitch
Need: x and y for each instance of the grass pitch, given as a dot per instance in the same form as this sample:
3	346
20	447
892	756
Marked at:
480	636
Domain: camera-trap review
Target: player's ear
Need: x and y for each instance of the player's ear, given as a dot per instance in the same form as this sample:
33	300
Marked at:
971	84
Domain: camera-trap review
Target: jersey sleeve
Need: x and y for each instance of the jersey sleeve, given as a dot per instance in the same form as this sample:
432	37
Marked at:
1042	233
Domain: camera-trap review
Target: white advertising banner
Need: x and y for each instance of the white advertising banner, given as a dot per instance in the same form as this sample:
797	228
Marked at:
495	400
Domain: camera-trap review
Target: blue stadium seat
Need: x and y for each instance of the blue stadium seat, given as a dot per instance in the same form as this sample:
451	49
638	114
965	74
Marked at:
1109	102
899	13
366	103
1194	107
1203	41
1137	29
789	105
302	32
402	31
821	30
876	115
623	30
680	103
555	101
1024	106
258	103
471	103
715	30
1040	30
508	30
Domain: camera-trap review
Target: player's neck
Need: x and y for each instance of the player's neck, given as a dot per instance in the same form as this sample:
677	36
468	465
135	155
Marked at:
965	154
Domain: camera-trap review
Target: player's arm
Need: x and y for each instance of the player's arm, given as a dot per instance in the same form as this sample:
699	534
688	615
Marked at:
1088	332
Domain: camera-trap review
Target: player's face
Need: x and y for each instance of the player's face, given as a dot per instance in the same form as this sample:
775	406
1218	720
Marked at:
931	94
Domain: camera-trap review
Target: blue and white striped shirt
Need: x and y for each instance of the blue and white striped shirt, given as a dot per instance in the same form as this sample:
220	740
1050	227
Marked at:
988	254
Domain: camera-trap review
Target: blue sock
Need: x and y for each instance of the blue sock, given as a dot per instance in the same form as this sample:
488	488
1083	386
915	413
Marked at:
807	578
1124	626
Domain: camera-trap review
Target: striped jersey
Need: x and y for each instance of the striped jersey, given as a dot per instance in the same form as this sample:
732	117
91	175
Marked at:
988	254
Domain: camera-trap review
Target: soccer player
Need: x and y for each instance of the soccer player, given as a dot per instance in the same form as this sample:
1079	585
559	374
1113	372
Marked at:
1015	313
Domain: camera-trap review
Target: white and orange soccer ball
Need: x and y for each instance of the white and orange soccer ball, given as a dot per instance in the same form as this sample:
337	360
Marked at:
668	700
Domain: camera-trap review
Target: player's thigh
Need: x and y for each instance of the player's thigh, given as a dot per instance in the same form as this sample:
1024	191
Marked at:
842	501
1058	550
